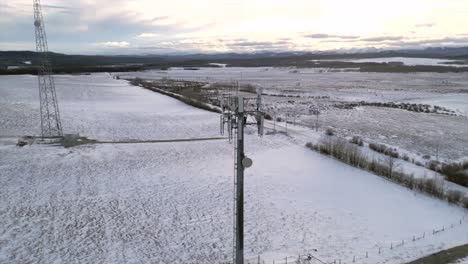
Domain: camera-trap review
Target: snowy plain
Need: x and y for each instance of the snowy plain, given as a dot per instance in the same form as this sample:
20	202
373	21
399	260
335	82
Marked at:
413	61
299	89
172	202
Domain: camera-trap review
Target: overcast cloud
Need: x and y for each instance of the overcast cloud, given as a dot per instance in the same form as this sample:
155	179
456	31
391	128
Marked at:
155	26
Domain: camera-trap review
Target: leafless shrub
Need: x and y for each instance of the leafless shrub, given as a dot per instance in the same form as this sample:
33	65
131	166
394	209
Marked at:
465	202
433	165
454	172
357	140
351	154
381	148
330	132
427	157
454	196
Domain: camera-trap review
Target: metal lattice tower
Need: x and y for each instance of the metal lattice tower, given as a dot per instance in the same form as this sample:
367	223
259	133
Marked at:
50	116
235	115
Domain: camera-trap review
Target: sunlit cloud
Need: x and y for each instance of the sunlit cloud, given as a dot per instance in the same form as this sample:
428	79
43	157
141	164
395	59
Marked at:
113	44
90	26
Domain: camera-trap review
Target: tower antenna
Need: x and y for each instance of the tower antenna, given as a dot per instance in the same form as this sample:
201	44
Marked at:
50	115
235	116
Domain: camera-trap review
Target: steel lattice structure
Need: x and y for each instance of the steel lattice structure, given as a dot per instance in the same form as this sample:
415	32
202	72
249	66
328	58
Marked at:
50	115
235	115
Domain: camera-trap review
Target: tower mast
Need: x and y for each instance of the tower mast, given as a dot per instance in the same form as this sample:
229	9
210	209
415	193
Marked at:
50	115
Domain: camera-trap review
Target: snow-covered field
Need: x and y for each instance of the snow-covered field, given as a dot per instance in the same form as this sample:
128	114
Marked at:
423	134
413	61
407	61
172	202
461	261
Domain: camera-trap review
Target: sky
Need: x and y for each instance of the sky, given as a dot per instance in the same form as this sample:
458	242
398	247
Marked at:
213	26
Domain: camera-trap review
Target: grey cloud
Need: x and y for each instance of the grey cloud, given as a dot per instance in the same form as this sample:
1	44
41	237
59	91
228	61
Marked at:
326	36
250	44
259	45
383	38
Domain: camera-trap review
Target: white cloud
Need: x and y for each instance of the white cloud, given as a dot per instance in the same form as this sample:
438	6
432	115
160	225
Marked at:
148	35
113	44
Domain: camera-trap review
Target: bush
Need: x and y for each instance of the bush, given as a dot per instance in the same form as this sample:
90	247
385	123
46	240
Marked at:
426	157
268	117
330	132
342	150
357	140
454	172
381	148
432	187
351	154
433	165
405	157
465	202
454	196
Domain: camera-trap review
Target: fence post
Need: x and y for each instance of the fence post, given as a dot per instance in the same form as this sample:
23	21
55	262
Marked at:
367	254
354	259
286	260
414	239
424	234
391	245
258	259
379	251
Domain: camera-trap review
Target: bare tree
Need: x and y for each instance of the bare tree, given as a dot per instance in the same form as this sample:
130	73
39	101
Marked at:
392	164
316	112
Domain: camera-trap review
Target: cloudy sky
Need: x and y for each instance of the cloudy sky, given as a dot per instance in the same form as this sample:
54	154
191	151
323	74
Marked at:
170	26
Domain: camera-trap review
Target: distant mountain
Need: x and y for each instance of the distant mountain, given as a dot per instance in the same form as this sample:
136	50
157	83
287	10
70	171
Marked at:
28	59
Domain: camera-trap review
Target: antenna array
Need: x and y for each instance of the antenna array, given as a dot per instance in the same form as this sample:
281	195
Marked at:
235	113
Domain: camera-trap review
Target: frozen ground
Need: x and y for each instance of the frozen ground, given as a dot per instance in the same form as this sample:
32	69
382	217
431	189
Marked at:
461	261
426	134
172	202
412	61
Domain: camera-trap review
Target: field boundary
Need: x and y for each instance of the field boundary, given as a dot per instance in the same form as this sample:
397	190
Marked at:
445	256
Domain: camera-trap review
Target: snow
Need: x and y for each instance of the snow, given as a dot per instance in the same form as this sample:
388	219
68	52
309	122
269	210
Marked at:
405	61
172	202
222	65
461	261
412	61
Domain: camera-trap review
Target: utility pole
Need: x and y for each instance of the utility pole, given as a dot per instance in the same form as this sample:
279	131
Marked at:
235	115
49	110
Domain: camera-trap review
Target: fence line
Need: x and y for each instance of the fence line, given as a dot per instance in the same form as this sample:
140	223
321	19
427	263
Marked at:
311	259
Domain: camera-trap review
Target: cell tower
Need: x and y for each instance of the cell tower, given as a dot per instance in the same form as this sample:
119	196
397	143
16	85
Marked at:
50	116
235	113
